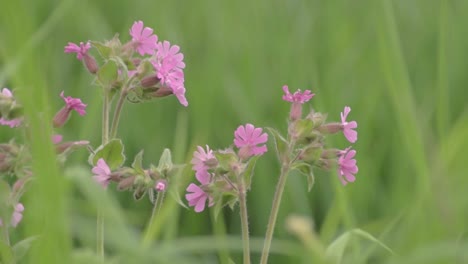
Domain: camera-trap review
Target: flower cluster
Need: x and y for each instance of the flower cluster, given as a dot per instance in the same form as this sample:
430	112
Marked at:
157	70
305	142
225	174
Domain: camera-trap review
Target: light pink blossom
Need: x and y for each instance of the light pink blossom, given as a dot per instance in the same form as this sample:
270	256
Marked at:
143	38
298	96
197	197
200	157
169	66
6	93
349	133
347	166
81	50
102	173
248	139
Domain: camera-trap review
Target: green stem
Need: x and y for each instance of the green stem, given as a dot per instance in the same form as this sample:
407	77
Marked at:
244	222
6	235
274	213
157	206
117	112
105	139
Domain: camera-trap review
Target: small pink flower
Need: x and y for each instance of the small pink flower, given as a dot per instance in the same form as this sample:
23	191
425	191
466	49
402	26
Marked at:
81	50
144	38
200	157
347	166
247	138
298	96
197	197
349	133
57	138
17	214
169	66
74	104
102	173
70	104
6	93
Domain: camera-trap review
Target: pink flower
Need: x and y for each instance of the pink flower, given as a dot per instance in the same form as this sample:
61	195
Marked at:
200	158
169	67
17	214
247	138
81	51
70	104
144	38
298	96
197	197
6	93
57	138
347	166
349	133
102	173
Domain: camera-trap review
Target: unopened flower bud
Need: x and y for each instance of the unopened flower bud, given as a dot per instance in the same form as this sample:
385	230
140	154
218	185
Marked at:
211	163
150	81
311	153
160	185
317	118
162	92
90	63
126	183
61	117
331	128
330	153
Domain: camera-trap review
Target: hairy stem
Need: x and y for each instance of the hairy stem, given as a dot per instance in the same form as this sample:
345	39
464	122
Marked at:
274	213
105	139
244	222
117	112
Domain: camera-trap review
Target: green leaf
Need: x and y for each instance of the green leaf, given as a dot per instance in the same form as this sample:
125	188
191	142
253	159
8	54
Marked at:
249	170
176	196
303	127
22	247
226	159
112	153
335	250
165	162
103	50
137	163
307	170
108	74
6	253
281	145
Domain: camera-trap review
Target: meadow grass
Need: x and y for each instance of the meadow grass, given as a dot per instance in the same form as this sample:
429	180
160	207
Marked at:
401	65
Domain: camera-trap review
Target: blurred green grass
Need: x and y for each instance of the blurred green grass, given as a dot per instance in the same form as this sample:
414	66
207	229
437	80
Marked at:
400	65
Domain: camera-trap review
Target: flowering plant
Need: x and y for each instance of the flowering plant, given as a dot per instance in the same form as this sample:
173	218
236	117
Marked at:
144	69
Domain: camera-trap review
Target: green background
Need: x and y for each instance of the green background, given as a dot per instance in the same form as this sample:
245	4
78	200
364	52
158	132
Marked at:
400	65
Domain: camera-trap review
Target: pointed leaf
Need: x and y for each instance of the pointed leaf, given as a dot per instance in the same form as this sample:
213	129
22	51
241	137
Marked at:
112	153
335	250
249	170
103	50
176	196
226	159
281	145
137	163
108	74
165	162
22	247
307	170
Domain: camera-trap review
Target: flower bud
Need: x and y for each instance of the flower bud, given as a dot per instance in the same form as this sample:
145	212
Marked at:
317	118
160	185
126	183
331	128
150	81
61	117
91	63
162	92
